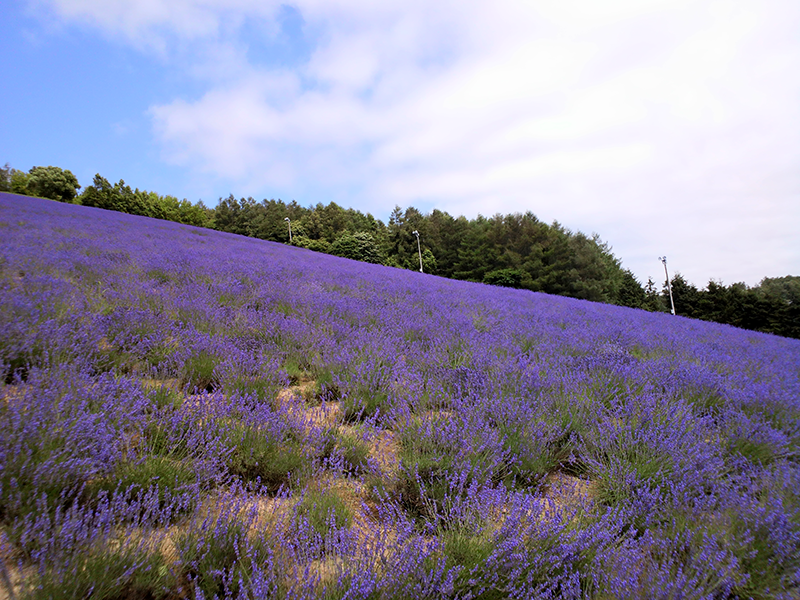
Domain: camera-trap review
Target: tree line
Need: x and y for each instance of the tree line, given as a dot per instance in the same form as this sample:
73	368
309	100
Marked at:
516	250
773	306
60	184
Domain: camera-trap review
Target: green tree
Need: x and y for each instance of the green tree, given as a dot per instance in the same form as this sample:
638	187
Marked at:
357	246
429	264
557	275
19	182
593	273
247	217
128	200
228	216
630	292
786	289
477	255
654	301
119	197
443	235
5	178
100	194
685	295
332	220
316	245
782	294
504	277
400	247
268	220
198	214
53	183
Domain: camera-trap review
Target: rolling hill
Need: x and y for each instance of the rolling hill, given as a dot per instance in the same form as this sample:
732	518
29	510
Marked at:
190	413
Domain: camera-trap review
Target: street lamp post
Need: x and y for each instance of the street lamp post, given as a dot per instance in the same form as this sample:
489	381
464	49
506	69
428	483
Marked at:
663	259
290	228
419	249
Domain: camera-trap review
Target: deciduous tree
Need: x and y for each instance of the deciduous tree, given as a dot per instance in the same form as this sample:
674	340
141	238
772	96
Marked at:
358	246
53	183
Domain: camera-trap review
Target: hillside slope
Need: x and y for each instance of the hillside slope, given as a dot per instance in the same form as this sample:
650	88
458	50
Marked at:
185	410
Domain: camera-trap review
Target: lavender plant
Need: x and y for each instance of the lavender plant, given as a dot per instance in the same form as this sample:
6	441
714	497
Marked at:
187	415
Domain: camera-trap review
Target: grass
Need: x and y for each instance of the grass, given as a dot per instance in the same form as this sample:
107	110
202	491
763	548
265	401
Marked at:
297	370
164	436
756	442
466	548
344	448
20	360
108	358
40	469
437	467
160	276
159	353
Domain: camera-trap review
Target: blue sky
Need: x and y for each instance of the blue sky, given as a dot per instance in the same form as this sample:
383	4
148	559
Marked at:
666	126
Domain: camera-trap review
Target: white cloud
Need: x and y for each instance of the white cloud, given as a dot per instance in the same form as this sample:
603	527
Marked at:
666	125
152	22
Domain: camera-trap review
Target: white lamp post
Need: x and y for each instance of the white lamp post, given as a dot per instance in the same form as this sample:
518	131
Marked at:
419	249
290	228
663	259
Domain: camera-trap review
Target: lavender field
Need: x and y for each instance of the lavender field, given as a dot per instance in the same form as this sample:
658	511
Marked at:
191	414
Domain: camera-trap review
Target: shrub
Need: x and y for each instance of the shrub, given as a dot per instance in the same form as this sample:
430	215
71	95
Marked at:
217	553
357	246
363	404
323	389
170	477
260	455
444	458
504	277
198	371
162	395
107	572
354	451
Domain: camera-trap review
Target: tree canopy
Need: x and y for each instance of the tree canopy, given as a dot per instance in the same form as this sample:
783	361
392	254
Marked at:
53	183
